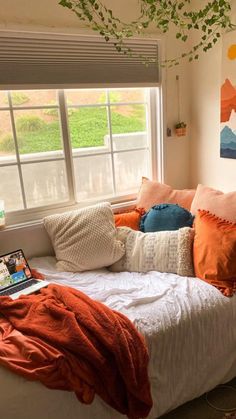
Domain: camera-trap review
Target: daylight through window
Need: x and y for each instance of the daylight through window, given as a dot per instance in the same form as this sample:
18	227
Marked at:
59	147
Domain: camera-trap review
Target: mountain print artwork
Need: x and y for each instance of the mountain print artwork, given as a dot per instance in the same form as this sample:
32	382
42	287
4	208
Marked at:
228	98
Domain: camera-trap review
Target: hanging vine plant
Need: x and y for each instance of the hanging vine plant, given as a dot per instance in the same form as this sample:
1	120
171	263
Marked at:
210	21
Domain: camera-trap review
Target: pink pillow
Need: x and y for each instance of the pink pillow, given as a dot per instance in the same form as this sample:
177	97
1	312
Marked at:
221	204
153	193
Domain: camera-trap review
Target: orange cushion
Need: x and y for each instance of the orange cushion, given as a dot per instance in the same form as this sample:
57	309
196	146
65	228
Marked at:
214	251
221	204
154	193
129	218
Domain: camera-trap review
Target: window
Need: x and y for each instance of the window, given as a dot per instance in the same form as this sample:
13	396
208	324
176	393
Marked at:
62	147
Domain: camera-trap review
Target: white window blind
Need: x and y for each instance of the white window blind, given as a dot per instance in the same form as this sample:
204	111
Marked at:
31	60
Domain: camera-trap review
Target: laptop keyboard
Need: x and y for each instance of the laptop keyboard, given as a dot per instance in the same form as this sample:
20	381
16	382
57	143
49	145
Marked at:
19	287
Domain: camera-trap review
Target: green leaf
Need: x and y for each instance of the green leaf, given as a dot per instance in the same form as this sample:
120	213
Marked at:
66	3
164	22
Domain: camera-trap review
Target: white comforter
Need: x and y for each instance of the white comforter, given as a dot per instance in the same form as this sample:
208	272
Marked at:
189	328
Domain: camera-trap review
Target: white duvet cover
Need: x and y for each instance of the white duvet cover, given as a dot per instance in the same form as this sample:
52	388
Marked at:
190	329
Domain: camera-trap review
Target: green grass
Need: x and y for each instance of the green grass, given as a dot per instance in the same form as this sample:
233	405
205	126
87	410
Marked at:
88	126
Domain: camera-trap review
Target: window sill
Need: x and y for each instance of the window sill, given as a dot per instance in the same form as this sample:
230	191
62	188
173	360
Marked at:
33	218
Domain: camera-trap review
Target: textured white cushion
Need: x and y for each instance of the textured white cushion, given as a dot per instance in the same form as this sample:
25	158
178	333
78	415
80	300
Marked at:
163	251
84	239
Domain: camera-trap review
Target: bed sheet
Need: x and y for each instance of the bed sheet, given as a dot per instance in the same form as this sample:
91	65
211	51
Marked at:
189	328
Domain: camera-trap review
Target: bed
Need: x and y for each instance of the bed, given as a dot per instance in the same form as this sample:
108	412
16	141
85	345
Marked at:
189	328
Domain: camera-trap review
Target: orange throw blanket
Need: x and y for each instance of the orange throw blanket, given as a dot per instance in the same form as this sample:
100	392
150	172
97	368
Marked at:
68	341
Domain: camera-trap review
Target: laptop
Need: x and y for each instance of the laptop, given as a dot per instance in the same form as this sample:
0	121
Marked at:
16	276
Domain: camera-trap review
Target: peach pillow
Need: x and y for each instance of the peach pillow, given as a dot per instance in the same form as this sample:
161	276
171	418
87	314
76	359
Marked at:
153	193
221	204
214	251
129	218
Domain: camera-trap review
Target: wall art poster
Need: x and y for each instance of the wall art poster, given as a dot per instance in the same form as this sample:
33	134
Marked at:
228	97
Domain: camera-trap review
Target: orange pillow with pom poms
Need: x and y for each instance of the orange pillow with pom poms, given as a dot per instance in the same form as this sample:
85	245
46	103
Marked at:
129	218
214	251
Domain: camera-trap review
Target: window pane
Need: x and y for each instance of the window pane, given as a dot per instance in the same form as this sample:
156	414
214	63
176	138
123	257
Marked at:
127	95
34	97
3	99
130	166
45	183
88	127
7	145
38	131
85	96
93	176
10	190
129	128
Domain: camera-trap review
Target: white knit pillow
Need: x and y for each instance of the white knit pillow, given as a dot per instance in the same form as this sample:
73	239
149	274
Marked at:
163	251
84	239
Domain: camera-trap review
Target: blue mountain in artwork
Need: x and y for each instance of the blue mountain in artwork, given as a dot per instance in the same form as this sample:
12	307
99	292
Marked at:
228	143
227	136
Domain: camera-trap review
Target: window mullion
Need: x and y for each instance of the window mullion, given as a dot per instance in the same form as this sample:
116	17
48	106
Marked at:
111	143
17	151
67	145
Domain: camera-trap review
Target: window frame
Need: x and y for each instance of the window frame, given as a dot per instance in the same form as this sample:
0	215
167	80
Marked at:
154	129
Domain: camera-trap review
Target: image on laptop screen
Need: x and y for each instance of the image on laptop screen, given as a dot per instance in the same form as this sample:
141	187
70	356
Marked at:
13	269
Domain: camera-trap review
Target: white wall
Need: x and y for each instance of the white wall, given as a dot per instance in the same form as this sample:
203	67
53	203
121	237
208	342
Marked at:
47	15
206	165
177	149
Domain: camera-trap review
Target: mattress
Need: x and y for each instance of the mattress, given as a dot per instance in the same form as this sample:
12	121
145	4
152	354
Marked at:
189	328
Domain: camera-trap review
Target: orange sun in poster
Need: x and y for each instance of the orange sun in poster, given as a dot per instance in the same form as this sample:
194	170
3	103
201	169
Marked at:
232	52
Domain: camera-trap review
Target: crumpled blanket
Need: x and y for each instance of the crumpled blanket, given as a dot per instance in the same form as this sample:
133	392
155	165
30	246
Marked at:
68	341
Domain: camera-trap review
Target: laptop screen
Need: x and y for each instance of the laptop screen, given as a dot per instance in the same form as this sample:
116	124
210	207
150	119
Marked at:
13	269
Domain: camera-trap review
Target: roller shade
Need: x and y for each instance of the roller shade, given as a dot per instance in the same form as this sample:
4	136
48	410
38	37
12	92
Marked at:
31	59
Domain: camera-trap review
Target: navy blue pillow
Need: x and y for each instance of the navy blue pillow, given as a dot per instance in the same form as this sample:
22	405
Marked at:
165	217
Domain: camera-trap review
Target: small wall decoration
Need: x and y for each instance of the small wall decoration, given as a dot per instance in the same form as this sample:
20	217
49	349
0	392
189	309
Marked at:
228	97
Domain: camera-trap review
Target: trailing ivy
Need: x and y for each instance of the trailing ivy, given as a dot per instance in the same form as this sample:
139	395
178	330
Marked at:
210	21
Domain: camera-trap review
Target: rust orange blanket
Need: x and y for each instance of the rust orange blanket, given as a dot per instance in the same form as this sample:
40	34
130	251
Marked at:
68	341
